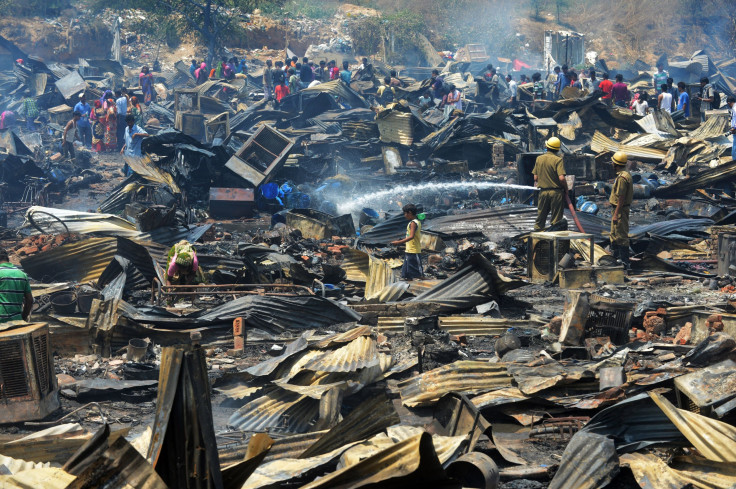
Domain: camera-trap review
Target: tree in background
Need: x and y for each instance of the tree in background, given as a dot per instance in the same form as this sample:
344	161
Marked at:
536	7
560	5
211	20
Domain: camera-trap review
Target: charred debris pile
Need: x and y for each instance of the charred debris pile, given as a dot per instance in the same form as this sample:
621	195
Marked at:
520	360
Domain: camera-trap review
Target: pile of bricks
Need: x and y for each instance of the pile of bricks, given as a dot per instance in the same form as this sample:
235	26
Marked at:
714	323
42	242
498	158
654	321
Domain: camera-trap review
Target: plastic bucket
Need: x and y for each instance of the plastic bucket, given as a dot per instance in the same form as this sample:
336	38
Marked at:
137	349
270	190
368	216
85	298
64	303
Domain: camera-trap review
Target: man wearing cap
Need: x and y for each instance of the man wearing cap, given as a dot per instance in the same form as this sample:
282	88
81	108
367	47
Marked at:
549	178
84	128
621	197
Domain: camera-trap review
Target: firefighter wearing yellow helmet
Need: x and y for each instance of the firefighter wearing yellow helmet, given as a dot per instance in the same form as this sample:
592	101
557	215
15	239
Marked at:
621	197
549	178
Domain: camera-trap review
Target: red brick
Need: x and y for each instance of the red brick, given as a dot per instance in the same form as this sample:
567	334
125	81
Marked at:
238	327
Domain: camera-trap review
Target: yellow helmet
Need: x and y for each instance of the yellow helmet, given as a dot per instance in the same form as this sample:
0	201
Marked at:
553	143
620	158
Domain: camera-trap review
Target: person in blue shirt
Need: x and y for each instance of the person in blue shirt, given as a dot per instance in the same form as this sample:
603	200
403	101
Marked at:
345	74
563	80
133	139
84	128
192	68
683	102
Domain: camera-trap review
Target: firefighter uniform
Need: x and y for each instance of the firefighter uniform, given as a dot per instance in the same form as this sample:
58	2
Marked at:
548	169
623	192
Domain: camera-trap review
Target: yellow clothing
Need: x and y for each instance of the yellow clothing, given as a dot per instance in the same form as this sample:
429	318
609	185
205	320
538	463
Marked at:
549	168
623	191
415	245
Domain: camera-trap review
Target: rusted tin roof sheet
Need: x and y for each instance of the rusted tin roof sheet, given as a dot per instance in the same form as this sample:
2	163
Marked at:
463	376
653	473
715	439
359	353
588	462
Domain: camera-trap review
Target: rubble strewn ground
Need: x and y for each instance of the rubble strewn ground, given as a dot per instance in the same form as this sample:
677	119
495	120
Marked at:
302	359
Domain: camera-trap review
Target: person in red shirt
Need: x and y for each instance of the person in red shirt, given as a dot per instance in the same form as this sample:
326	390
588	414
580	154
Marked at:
606	86
282	90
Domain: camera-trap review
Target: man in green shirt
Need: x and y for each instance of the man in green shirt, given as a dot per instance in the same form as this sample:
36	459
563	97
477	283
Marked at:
30	111
16	300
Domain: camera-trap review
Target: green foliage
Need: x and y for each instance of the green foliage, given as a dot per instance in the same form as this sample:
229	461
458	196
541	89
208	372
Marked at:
312	9
400	29
27	8
536	7
366	34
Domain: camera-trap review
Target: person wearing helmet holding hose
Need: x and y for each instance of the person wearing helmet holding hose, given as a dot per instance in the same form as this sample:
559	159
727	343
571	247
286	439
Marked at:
621	197
549	178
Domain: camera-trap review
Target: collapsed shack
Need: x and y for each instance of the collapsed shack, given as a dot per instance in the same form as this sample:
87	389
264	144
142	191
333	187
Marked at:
303	358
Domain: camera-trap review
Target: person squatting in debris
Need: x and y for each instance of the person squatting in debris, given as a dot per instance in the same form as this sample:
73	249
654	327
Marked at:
69	135
621	197
182	266
412	267
16	300
7	119
549	177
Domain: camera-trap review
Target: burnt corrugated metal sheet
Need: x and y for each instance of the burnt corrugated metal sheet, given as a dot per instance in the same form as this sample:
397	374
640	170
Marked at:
340	89
635	423
601	143
83	261
463	376
276	473
395	467
268	366
383	232
345	337
651	472
371	417
499	397
61	220
691	226
714	439
359	353
476	282
588	462
703	179
276	314
506	222
279	410
355	264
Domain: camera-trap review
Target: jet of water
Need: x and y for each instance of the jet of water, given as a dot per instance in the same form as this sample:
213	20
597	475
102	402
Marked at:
384	195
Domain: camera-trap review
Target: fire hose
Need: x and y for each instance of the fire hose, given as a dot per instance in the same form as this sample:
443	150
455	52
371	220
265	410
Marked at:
572	210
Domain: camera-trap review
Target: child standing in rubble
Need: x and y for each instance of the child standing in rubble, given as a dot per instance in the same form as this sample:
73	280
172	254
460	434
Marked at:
412	267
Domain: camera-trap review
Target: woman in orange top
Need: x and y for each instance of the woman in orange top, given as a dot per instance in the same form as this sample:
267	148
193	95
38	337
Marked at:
111	127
